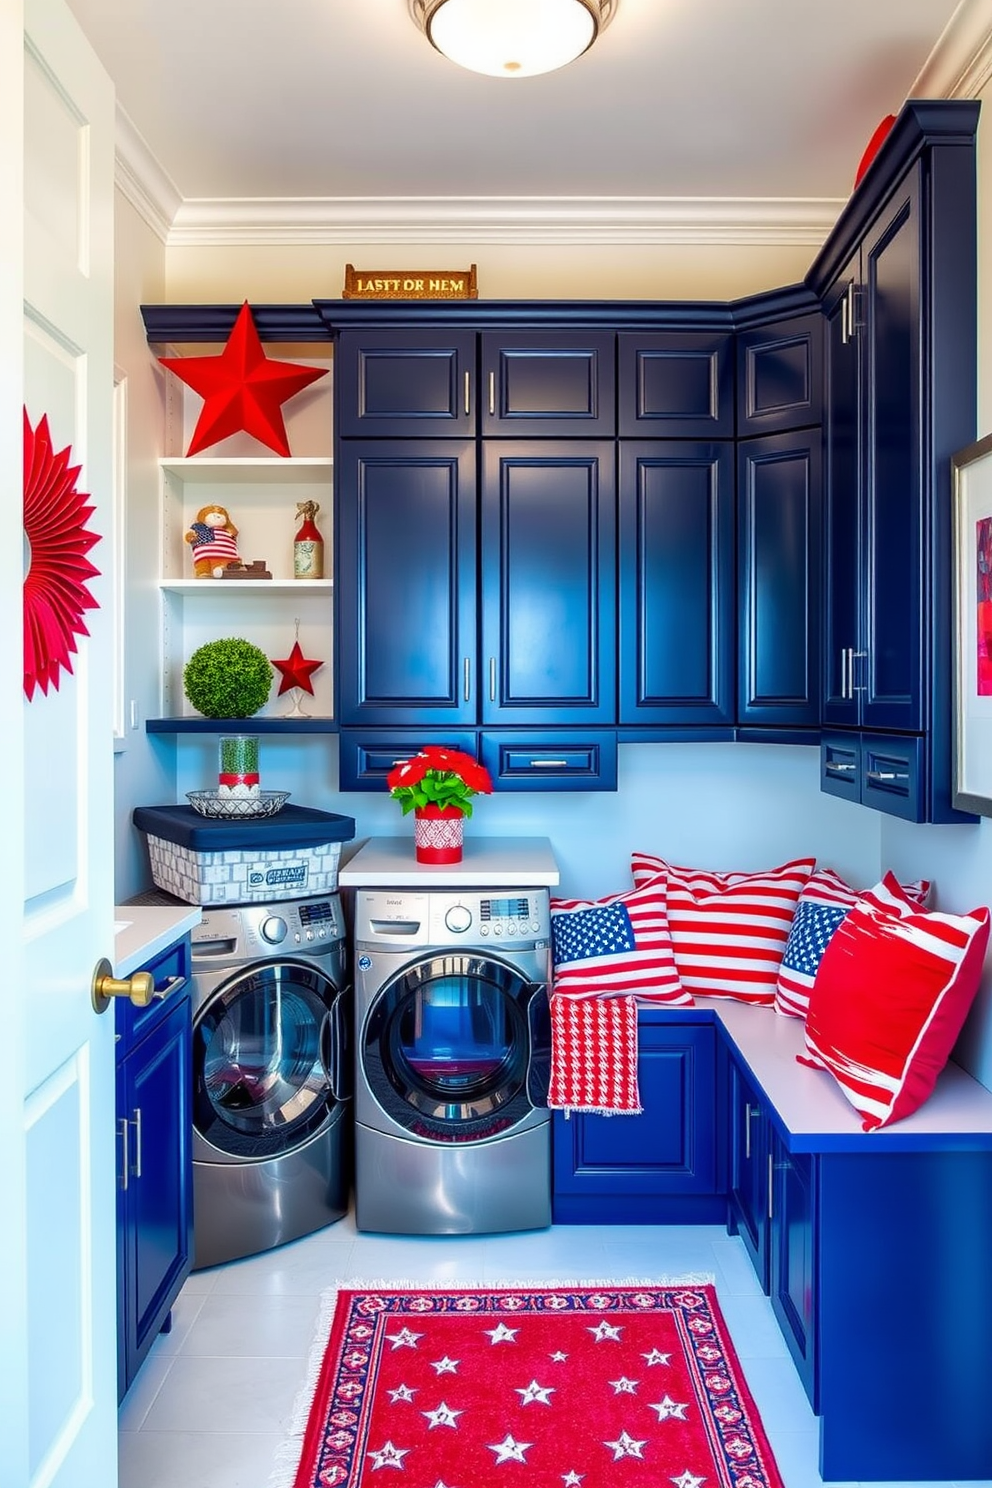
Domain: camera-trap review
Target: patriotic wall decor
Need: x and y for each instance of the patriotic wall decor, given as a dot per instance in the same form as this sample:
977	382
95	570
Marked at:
56	586
729	930
890	998
823	904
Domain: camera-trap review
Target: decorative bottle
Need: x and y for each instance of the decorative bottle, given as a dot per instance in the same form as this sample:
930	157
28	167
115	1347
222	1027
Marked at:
308	545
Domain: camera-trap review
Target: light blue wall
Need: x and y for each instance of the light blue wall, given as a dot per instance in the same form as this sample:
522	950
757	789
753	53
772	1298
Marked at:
724	806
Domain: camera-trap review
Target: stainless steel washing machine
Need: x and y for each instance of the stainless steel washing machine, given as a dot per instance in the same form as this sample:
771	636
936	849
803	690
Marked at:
452	1056
272	1075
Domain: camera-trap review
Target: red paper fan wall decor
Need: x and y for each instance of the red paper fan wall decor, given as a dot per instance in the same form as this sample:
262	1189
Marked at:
55	586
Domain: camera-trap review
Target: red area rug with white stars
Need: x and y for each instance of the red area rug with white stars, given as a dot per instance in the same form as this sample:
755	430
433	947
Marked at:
619	1387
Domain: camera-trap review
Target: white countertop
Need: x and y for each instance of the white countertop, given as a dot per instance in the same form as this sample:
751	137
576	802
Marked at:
141	931
487	863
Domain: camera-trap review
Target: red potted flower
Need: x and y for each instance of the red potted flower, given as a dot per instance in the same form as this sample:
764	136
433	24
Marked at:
437	785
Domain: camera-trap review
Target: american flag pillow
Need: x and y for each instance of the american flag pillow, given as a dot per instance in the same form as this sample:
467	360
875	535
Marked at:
823	904
617	946
729	930
890	998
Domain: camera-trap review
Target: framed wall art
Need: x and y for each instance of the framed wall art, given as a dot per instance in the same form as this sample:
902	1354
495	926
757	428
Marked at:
971	471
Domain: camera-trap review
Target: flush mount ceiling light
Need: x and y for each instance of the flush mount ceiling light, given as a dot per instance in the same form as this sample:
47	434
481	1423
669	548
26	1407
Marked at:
512	38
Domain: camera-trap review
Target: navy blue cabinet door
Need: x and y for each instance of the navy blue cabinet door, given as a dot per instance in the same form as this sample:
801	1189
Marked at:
660	1166
779	501
548	582
793	1258
780	376
676	653
552	384
675	384
748	1177
155	1196
405	383
406	580
893	625
874	620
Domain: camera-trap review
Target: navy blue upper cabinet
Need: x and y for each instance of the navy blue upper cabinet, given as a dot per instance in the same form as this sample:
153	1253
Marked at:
676	384
897	281
676	652
548	601
404	383
406	582
780	376
779	499
548	384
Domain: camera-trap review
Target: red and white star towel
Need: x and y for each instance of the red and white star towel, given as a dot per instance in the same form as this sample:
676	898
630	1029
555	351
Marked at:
594	1056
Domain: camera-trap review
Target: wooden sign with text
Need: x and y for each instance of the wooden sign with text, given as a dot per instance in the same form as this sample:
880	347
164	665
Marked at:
410	284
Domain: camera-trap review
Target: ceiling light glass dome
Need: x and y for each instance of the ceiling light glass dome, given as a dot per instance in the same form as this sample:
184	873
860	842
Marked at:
512	38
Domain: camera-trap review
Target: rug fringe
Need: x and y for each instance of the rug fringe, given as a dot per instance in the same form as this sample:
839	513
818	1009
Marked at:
287	1459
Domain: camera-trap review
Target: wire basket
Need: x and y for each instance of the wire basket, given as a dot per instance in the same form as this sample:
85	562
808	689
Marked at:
239	808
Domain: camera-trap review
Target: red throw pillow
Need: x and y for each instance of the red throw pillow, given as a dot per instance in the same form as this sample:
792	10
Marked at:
890	998
616	946
729	930
823	904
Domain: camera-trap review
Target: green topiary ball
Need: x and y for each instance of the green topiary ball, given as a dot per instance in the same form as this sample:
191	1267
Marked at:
228	679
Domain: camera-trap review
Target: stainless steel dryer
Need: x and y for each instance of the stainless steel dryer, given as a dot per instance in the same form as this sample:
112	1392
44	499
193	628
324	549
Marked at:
452	1054
272	1075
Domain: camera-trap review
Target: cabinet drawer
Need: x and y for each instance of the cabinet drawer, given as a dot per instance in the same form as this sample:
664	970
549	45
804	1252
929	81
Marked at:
676	385
840	766
171	969
551	761
367	757
403	383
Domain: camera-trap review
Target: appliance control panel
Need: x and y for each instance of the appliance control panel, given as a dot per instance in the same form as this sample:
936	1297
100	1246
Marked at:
241	931
448	917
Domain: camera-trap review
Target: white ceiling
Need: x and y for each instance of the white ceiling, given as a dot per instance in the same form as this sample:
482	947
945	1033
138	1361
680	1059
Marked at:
240	103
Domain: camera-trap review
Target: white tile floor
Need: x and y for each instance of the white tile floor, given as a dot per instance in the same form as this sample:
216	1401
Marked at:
214	1400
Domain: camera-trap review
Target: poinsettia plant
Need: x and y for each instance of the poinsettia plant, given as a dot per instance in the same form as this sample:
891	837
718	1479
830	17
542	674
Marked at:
439	777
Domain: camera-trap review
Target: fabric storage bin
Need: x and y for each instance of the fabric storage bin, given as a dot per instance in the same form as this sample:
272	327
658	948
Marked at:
207	860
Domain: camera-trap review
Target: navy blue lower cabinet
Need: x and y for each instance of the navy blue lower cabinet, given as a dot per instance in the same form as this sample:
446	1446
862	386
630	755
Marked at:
663	1166
792	1247
748	1173
155	1171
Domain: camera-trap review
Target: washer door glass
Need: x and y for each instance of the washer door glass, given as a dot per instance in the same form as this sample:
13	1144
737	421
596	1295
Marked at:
446	1047
263	1060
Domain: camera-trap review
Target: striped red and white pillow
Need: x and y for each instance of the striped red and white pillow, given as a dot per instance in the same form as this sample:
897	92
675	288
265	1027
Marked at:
616	946
890	998
823	904
729	930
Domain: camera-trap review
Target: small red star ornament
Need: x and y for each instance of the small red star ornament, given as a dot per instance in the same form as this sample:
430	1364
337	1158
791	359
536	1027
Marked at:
296	671
241	389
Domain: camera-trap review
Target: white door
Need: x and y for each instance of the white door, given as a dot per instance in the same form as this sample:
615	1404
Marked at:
57	1258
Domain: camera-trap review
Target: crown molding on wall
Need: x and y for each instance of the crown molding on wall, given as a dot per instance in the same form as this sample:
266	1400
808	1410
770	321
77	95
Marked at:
509	219
958	67
961	63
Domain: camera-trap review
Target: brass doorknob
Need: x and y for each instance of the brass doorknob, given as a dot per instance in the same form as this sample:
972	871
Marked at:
139	987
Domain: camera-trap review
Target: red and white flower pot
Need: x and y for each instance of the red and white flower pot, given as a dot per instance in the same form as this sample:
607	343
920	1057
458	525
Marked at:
438	834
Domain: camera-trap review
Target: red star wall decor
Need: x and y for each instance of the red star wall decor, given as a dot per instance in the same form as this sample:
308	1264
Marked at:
296	671
241	388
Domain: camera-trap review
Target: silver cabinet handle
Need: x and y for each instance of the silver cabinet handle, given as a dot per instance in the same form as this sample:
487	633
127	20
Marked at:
837	766
844	684
468	402
851	322
548	764
492	392
845	334
886	775
749	1112
492	679
137	1141
168	987
123	1123
771	1186
467	671
857	686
